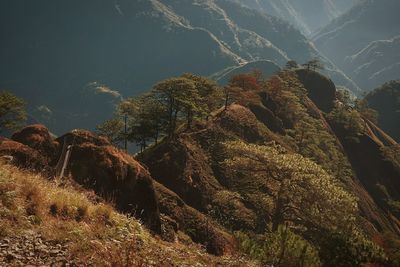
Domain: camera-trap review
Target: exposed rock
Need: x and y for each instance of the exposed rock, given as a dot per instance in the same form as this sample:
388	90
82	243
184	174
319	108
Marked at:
321	90
267	117
377	173
22	155
386	100
181	166
39	138
114	175
31	249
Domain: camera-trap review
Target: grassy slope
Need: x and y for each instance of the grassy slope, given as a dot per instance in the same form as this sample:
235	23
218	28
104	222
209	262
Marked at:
90	231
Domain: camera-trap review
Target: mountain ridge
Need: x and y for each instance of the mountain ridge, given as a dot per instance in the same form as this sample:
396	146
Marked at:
56	64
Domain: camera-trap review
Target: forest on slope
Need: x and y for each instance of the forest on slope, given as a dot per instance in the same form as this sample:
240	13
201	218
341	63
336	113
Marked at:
263	165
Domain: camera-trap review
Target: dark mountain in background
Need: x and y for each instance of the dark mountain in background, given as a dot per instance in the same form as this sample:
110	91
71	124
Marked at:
68	58
60	55
386	100
363	42
307	15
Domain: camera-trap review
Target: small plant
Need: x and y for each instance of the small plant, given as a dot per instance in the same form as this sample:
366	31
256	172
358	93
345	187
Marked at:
103	213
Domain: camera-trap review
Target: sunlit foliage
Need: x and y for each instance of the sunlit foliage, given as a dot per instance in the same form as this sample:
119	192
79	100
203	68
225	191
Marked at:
301	192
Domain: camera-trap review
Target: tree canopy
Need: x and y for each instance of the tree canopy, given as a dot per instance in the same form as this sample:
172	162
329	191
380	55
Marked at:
303	193
12	111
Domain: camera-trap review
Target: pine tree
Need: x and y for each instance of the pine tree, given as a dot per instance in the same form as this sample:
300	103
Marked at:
12	111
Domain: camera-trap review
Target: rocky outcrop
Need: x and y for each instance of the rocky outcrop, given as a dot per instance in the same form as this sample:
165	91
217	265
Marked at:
94	164
386	100
38	138
114	175
22	155
181	166
267	117
378	175
321	90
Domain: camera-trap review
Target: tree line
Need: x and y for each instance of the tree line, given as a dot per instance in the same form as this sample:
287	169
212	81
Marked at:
178	102
170	104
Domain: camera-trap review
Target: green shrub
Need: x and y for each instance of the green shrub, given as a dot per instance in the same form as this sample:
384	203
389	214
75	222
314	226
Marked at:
281	248
350	249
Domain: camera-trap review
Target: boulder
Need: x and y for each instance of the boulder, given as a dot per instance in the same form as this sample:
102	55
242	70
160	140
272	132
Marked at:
321	90
114	175
22	155
38	138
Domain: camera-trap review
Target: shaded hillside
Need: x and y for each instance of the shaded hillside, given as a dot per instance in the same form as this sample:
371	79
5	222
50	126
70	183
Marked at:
321	90
307	15
386	100
375	64
361	30
53	59
110	49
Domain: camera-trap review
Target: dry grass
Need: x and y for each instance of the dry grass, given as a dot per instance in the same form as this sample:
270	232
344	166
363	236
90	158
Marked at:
93	232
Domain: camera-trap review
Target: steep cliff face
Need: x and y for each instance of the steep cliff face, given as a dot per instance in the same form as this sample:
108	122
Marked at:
386	100
321	90
377	171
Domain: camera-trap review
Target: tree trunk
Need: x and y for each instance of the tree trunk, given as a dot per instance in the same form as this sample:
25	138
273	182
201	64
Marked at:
283	247
125	133
189	119
156	136
278	216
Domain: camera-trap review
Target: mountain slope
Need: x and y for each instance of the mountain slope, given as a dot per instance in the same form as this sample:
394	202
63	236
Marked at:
270	159
67	68
363	29
375	64
52	60
307	15
386	100
85	232
196	163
